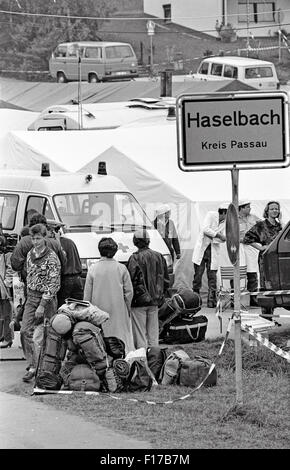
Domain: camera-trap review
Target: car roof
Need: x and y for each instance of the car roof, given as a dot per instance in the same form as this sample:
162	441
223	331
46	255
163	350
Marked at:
94	43
232	60
58	182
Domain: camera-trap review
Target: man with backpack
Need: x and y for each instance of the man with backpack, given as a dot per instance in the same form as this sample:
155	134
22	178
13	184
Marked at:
150	279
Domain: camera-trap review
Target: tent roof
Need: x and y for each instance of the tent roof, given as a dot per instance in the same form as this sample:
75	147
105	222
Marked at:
36	96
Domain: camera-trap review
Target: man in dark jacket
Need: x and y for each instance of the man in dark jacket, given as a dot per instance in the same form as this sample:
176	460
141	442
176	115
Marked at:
71	282
19	255
149	275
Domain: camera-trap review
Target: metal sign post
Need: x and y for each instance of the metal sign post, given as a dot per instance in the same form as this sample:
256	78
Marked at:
235	239
151	31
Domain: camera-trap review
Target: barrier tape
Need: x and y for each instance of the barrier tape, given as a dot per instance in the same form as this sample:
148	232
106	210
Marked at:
264	293
265	342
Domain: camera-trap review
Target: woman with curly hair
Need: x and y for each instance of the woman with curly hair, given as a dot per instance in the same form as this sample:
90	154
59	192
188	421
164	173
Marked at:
260	236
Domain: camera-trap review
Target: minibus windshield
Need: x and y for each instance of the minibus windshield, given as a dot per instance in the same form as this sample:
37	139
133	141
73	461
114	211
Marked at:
100	211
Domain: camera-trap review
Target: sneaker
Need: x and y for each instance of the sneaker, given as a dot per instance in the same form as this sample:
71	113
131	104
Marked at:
29	375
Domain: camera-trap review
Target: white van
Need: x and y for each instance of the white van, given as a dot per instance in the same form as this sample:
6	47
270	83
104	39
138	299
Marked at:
93	61
91	206
258	74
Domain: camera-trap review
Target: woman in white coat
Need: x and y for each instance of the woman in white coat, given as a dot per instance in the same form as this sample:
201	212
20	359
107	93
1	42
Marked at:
206	252
109	287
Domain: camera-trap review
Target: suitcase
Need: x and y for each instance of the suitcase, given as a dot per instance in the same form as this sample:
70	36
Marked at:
184	330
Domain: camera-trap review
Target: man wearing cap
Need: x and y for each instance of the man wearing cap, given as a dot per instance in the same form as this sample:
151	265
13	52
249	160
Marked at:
206	252
246	221
167	230
149	275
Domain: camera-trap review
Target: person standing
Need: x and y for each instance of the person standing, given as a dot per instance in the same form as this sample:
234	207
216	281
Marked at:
246	221
206	252
167	230
19	254
108	286
260	236
71	283
150	279
43	282
6	276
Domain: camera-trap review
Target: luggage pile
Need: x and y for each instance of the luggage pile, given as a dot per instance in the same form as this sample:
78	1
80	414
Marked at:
80	358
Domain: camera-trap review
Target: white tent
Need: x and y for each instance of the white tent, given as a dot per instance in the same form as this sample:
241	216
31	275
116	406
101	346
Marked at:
145	158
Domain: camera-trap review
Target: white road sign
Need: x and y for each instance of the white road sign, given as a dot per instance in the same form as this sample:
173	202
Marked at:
219	130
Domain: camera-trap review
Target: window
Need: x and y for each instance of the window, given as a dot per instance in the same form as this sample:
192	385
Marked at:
60	51
101	211
216	69
230	71
118	52
72	50
256	12
258	72
93	52
8	208
40	205
167	13
204	68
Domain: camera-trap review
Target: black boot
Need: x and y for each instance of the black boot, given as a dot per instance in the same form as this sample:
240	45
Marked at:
252	286
211	299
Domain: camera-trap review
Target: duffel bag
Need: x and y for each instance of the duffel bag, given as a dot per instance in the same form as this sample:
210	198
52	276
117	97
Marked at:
194	371
156	357
186	330
83	378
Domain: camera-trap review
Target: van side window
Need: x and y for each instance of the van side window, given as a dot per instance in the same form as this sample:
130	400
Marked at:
60	51
216	69
37	204
72	50
8	209
118	52
230	71
93	52
204	68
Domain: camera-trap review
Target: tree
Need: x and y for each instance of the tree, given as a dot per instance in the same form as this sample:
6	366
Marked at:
38	35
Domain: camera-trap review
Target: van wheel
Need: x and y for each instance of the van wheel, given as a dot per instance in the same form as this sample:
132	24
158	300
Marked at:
61	78
93	78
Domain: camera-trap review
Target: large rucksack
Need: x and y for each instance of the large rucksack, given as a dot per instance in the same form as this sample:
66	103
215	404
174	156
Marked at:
51	356
83	378
140	379
90	341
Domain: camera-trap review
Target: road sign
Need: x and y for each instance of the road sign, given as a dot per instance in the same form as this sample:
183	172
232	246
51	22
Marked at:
232	233
150	28
218	131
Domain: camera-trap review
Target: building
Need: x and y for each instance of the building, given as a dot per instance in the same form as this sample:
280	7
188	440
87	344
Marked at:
258	18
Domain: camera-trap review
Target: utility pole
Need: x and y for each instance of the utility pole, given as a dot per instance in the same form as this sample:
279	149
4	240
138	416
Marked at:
248	25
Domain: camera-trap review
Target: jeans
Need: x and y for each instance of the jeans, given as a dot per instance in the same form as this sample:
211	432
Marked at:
5	319
211	274
30	330
145	326
71	286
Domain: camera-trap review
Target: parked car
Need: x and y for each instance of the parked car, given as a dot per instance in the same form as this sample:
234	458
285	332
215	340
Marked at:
277	271
94	61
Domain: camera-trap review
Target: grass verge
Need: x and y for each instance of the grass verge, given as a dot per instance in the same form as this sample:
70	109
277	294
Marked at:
210	417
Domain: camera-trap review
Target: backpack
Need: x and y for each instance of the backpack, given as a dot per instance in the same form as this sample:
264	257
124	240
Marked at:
89	339
184	304
140	379
83	378
171	368
49	362
156	357
185	330
193	372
